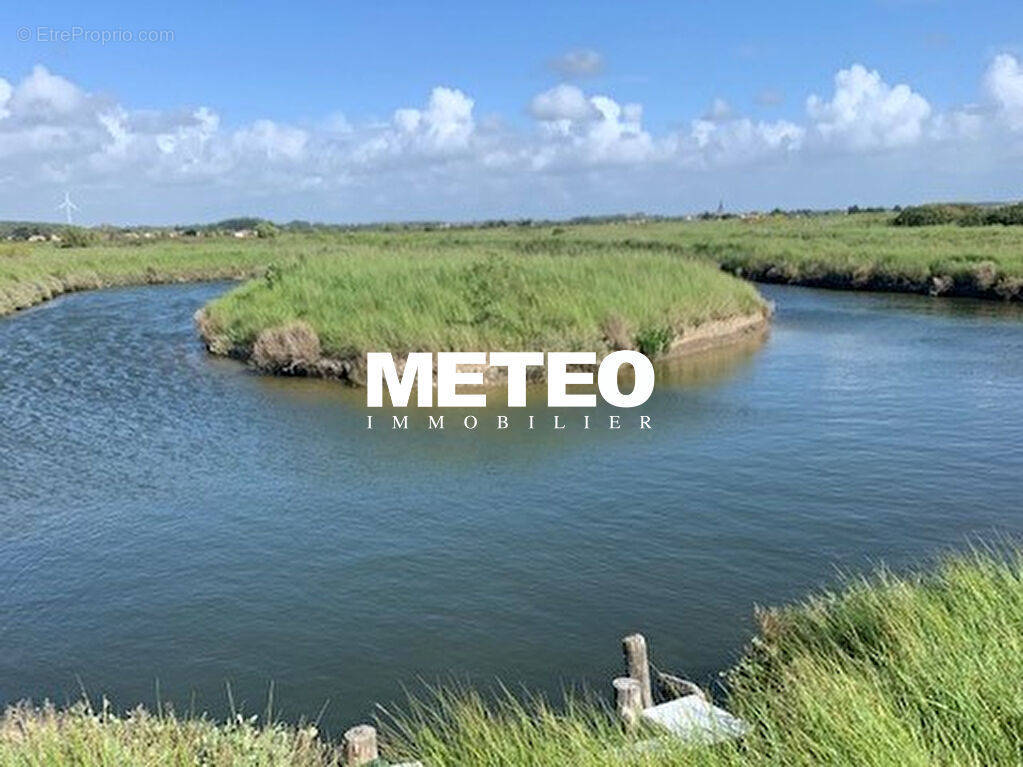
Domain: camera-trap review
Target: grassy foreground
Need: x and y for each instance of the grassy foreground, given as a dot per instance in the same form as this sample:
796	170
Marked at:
913	670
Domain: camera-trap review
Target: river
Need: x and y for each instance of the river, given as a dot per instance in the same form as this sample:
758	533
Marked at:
171	522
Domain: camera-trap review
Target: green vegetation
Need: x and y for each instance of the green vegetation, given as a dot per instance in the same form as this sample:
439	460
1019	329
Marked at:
858	252
76	237
34	272
412	294
84	737
918	669
630	282
962	214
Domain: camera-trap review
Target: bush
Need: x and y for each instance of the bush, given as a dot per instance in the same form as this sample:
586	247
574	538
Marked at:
654	340
289	349
932	215
1007	215
76	237
266	230
964	215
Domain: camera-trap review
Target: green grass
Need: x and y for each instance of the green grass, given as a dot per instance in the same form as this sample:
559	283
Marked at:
32	273
423	296
918	669
915	670
593	287
83	737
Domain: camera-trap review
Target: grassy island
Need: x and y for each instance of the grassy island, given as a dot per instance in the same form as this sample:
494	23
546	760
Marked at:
317	314
917	669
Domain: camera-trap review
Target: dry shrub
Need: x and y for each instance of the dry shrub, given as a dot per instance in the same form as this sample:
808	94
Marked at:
293	348
1010	288
985	275
616	332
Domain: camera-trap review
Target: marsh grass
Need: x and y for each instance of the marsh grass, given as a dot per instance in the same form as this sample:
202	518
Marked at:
81	736
915	669
630	277
31	273
366	298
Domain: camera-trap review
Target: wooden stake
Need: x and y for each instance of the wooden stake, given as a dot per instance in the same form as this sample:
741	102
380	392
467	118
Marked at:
637	666
360	745
628	701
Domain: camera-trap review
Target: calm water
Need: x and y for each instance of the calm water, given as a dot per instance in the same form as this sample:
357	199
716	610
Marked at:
167	518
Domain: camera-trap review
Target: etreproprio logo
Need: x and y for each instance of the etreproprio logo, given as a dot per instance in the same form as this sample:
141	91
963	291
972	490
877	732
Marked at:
455	369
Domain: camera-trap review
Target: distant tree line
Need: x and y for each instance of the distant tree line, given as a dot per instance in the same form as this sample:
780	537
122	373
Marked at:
963	214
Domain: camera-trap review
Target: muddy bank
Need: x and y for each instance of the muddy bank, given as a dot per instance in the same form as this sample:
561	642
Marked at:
294	349
979	283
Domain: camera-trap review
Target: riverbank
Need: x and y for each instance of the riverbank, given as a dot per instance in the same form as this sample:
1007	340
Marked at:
31	273
913	669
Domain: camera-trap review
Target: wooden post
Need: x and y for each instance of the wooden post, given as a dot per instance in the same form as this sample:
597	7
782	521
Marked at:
628	701
637	666
360	745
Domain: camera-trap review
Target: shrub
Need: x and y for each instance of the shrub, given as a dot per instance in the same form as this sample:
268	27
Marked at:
76	237
931	215
1007	215
616	332
652	341
293	348
266	230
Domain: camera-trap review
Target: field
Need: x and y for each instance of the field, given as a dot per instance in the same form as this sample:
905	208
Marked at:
914	670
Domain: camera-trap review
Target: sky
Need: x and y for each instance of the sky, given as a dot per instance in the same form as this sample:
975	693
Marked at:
346	112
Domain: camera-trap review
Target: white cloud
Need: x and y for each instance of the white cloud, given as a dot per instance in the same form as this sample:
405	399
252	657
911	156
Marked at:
588	131
584	151
42	92
5	96
446	125
719	111
271	140
1003	84
562	102
739	140
866	113
578	63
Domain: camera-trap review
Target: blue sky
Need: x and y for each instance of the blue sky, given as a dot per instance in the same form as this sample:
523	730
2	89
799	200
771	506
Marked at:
307	68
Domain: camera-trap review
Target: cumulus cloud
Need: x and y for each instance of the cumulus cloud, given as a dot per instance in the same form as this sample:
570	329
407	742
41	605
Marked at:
578	63
866	113
1003	84
720	110
42	92
563	102
438	155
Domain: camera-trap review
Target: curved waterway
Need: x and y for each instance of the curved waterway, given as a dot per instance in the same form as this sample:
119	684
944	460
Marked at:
168	520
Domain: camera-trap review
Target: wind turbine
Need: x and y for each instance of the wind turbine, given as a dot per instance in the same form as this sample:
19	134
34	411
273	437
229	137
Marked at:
67	206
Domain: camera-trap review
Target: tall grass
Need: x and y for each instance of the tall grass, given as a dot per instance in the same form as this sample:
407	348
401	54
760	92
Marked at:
31	273
917	669
83	737
425	297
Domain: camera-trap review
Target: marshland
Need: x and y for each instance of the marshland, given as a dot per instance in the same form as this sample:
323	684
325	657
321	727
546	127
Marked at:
249	529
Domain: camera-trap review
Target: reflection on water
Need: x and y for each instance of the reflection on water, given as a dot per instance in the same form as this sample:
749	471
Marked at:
168	516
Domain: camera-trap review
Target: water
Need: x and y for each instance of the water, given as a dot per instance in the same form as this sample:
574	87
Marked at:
169	520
